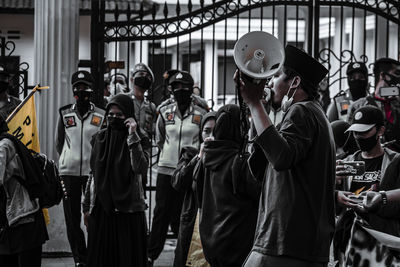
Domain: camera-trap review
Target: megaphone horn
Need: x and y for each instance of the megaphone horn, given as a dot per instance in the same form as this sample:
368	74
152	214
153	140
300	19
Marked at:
259	55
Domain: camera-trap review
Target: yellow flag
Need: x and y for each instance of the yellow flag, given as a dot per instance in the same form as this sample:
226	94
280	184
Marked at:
22	124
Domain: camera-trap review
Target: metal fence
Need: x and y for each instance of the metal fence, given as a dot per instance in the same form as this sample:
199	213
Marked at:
19	70
199	36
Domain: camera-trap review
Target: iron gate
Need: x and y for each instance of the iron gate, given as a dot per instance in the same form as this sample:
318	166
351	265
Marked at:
199	37
19	71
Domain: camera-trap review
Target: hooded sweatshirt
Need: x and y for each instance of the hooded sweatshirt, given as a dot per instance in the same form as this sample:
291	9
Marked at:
227	194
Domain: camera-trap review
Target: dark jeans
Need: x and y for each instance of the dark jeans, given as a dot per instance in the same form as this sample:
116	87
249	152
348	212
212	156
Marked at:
28	258
166	211
75	187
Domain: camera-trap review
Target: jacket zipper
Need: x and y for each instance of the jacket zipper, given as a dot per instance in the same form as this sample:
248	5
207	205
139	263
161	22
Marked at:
80	166
180	137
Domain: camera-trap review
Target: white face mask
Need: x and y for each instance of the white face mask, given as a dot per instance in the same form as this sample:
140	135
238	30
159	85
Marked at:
286	101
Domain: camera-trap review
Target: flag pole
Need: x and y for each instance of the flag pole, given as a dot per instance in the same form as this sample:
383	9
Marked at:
15	111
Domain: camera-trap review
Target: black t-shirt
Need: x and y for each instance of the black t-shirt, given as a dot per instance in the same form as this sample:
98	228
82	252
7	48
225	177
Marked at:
372	176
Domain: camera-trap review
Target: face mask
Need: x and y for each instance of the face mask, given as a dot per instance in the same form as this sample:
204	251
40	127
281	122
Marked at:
183	97
142	82
82	97
366	144
117	124
358	88
3	86
286	101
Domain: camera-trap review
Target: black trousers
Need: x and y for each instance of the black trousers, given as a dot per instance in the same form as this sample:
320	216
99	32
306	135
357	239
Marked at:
75	187
28	258
166	211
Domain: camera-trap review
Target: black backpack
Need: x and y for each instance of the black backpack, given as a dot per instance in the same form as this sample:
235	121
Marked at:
53	191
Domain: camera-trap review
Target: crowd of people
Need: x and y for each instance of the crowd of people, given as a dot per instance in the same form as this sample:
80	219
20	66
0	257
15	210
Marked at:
290	196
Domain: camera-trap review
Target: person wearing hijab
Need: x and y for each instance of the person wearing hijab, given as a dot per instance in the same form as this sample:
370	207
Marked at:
227	194
117	226
182	180
22	226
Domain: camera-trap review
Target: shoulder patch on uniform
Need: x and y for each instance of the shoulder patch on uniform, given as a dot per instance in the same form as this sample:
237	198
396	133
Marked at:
170	117
69	121
65	109
99	110
96	120
196	119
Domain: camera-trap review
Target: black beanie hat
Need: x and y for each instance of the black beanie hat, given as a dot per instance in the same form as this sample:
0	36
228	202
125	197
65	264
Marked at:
306	66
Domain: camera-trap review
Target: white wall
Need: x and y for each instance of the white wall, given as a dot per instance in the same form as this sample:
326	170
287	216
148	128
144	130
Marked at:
84	37
23	46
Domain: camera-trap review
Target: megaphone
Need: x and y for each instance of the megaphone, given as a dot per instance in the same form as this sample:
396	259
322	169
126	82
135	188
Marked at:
259	55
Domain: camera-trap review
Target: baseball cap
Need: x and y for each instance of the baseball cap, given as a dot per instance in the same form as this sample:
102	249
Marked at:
365	118
357	66
183	77
82	76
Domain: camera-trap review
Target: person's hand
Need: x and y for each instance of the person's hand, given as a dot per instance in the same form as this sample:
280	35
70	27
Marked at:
340	171
372	202
86	219
201	153
344	200
252	93
131	124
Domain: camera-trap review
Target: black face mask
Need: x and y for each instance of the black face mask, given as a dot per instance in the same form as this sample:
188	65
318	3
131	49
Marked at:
358	88
366	144
183	97
82	96
142	82
117	124
3	86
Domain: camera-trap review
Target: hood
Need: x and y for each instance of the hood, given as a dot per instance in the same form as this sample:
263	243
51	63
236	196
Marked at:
218	152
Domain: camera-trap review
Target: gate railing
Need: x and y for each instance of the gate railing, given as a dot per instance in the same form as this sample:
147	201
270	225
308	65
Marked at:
199	37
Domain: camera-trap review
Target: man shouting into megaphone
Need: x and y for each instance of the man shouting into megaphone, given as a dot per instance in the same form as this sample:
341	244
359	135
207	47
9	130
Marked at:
296	214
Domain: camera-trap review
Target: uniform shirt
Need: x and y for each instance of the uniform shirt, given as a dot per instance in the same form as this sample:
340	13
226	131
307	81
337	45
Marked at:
296	216
73	137
175	131
145	113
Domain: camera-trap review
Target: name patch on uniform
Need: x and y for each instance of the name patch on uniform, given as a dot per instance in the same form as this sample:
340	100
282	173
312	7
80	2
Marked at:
170	116
96	120
196	119
70	121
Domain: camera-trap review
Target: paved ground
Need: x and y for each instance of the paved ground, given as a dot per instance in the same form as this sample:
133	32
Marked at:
165	260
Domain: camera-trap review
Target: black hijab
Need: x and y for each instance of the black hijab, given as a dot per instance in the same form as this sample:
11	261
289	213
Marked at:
111	162
227	139
227	124
226	145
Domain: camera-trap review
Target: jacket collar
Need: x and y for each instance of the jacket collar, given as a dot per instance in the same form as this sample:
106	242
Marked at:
91	109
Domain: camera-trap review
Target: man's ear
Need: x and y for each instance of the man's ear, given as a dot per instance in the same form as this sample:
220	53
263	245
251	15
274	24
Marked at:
381	131
296	81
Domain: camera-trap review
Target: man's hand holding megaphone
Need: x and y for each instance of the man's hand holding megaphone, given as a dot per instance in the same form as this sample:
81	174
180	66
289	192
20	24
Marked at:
252	93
